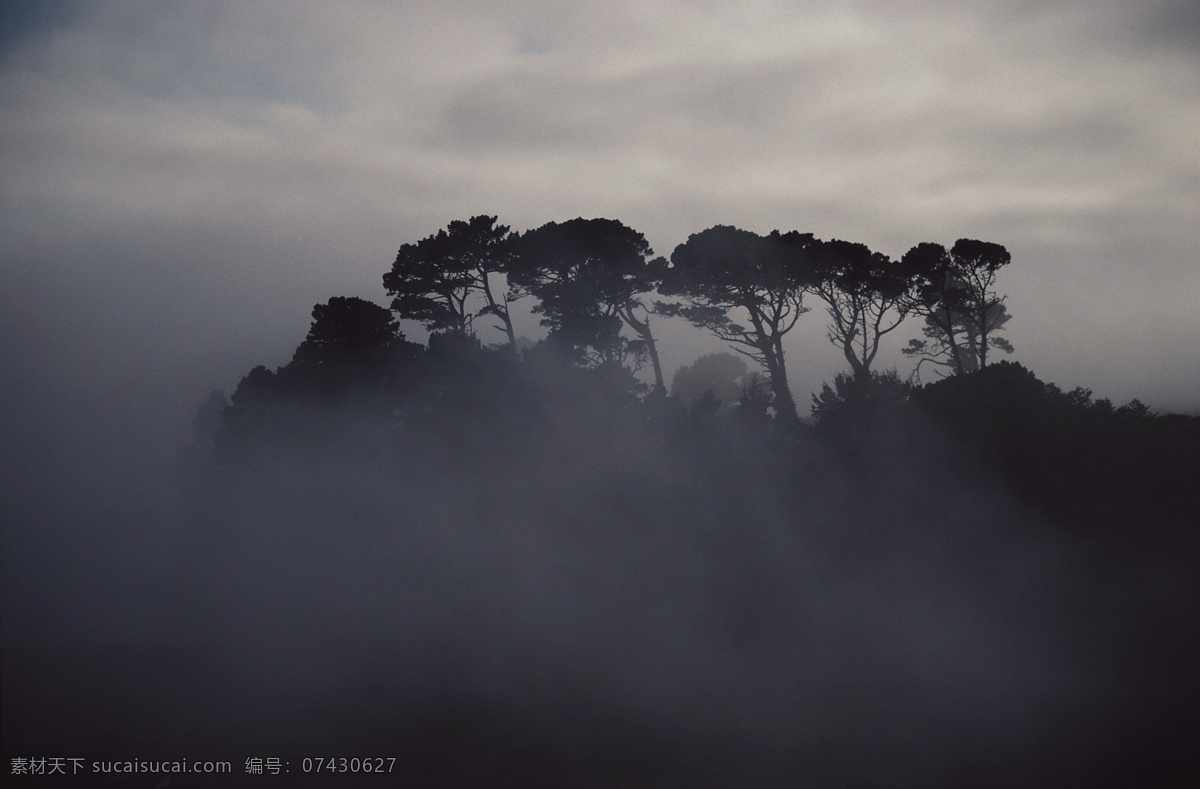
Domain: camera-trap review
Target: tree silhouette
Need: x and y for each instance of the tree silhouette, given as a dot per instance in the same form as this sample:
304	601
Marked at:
352	343
866	295
435	280
587	275
255	395
955	293
723	269
346	328
860	400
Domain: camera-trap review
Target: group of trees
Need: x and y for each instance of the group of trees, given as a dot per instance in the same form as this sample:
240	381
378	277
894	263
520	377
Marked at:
586	275
592	279
597	285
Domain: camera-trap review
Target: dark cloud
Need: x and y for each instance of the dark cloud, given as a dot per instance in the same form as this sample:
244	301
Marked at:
21	20
1175	23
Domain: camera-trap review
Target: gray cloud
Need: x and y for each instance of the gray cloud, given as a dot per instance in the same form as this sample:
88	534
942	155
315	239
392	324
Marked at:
1173	23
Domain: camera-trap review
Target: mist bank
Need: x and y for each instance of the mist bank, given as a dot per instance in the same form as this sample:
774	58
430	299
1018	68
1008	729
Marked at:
589	573
505	566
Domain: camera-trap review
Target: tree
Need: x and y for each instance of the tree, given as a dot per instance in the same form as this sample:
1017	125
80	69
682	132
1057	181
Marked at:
435	281
866	295
351	341
587	275
860	399
955	293
723	269
722	375
346	327
353	348
254	397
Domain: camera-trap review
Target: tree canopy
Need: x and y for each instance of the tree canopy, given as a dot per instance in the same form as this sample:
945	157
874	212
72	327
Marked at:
588	275
866	294
440	280
589	281
725	273
955	293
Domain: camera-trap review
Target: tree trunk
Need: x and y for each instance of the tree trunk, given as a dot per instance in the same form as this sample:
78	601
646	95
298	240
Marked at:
860	369
643	330
785	404
500	312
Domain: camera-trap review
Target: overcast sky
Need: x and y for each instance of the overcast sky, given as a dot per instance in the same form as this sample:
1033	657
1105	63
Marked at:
182	181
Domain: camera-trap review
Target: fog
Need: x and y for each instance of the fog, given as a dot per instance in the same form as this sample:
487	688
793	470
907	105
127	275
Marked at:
595	592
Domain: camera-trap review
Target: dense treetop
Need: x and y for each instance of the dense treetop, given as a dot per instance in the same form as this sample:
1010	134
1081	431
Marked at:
596	286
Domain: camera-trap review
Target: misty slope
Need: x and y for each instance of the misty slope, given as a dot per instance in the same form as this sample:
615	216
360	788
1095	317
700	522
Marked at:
590	571
527	572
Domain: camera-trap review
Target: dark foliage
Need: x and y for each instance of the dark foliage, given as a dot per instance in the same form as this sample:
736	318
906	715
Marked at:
354	352
439	280
1122	473
955	293
724	272
866	294
587	276
858	402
